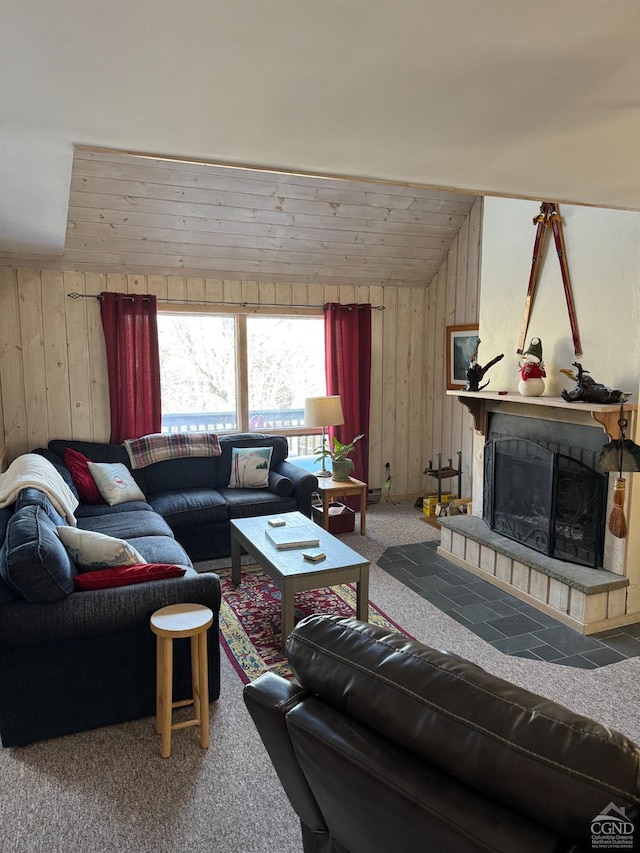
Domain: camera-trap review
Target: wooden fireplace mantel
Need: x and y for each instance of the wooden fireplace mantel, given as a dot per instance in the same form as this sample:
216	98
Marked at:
479	403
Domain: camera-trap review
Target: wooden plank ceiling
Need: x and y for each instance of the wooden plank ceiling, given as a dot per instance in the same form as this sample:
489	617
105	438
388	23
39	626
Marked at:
134	214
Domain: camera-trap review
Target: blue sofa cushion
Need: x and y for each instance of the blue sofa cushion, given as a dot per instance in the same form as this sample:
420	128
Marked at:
95	510
161	549
96	451
60	467
126	525
5	514
189	507
7	595
189	472
34	497
279	485
34	562
244	503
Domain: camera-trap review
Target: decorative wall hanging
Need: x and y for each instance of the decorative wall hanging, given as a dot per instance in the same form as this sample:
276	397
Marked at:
549	216
461	343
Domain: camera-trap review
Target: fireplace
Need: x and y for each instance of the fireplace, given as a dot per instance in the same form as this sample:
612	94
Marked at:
538	526
543	489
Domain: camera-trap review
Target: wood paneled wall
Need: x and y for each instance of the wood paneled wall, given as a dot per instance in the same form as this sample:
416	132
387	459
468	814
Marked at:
452	299
53	380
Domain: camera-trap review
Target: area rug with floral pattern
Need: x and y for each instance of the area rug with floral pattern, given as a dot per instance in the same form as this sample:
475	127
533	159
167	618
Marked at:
250	619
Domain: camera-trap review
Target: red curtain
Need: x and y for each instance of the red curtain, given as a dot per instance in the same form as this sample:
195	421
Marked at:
347	339
131	335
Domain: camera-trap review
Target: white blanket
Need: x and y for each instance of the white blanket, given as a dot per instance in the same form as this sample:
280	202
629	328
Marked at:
31	469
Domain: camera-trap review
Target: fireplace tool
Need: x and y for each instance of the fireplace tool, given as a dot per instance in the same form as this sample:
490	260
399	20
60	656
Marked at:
620	455
445	473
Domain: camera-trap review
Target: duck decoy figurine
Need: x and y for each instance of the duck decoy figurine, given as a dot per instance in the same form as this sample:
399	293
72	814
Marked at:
587	390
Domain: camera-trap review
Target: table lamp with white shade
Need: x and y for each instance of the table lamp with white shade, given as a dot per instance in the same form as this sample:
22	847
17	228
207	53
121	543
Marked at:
323	412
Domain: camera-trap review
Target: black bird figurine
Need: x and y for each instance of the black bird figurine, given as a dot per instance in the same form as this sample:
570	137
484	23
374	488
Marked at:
587	390
475	372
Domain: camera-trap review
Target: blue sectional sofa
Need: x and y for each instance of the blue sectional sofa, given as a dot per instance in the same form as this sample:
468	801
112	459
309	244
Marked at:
192	494
74	660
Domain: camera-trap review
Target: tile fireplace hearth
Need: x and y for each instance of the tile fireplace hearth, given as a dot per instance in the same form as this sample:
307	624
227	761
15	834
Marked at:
505	622
588	600
597	596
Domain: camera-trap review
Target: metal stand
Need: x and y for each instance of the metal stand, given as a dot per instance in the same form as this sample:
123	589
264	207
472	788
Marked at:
445	473
323	471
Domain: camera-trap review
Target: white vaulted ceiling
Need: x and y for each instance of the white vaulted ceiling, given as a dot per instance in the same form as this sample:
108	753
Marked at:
503	97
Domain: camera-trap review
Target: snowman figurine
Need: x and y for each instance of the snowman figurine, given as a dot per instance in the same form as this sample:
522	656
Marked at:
532	371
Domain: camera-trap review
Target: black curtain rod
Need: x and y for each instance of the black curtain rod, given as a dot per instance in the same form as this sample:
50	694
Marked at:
76	295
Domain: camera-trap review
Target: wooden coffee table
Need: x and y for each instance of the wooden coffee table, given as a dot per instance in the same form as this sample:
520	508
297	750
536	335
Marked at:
329	488
290	571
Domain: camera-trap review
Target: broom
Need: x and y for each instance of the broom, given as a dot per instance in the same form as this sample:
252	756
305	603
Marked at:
617	521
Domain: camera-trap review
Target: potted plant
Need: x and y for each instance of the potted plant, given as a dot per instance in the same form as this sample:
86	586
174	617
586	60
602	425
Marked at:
341	464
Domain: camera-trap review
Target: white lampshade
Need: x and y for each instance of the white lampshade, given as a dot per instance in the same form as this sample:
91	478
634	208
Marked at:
323	412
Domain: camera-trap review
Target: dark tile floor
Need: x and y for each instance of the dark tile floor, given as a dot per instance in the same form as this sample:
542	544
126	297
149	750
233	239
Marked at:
508	624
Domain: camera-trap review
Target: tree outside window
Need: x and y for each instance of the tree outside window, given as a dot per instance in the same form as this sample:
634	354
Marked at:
205	357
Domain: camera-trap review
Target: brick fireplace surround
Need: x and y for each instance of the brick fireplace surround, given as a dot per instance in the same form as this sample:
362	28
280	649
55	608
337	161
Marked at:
588	600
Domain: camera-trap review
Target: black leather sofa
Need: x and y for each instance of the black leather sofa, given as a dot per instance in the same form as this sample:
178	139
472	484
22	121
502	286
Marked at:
388	745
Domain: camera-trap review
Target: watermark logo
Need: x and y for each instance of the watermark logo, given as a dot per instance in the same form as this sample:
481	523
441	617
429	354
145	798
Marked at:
612	829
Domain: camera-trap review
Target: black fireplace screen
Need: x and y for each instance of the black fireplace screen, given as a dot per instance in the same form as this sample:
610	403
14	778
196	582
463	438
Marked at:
545	500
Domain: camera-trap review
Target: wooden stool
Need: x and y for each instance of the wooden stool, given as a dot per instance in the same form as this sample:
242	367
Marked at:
171	623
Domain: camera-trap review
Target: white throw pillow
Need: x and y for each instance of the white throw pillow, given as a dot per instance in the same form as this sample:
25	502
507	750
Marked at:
115	482
250	467
92	550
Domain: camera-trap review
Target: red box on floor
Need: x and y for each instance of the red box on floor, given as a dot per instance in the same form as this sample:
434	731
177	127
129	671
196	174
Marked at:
342	519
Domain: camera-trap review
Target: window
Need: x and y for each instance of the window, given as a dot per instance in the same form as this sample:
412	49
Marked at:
239	372
197	372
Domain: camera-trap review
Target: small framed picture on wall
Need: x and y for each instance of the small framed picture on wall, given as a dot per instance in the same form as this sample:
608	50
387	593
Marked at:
461	343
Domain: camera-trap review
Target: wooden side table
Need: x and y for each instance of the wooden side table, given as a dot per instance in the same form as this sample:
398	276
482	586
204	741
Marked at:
170	623
329	488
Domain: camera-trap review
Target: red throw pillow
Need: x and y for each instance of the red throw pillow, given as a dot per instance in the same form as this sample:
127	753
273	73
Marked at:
81	475
125	575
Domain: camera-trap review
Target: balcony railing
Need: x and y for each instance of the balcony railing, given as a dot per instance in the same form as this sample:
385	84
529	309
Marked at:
262	420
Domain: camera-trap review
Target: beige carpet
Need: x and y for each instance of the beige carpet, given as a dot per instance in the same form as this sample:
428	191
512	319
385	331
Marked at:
108	791
388	523
608	694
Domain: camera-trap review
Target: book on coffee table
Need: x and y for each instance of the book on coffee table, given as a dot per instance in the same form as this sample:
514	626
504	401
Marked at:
314	556
285	538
